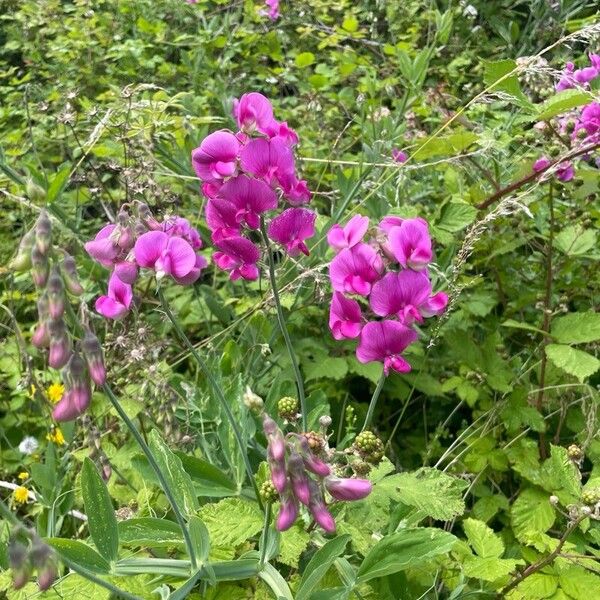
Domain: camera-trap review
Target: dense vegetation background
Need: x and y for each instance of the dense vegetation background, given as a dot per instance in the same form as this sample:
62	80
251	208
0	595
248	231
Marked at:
493	436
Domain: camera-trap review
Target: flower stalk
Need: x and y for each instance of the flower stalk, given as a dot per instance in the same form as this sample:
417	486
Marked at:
373	402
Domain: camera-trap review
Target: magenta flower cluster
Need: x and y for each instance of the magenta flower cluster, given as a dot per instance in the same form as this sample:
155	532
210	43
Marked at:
245	175
381	287
572	77
292	463
169	248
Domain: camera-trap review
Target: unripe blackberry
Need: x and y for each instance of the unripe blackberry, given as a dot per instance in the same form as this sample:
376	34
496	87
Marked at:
591	496
369	446
570	126
287	408
361	468
574	452
267	492
253	401
582	133
315	441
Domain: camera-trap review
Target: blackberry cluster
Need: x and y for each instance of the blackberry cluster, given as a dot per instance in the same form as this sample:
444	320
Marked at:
287	408
369	447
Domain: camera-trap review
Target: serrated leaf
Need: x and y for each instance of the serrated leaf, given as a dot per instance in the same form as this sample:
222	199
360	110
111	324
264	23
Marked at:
452	144
178	480
531	514
579	583
483	540
231	521
293	542
102	521
150	532
535	587
562	102
575	362
489	569
330	367
81	554
576	328
574	240
436	494
497	78
407	548
456	216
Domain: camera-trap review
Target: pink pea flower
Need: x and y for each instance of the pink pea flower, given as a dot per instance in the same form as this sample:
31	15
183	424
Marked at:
273	9
589	120
270	160
127	271
238	256
567	80
104	248
399	156
345	317
221	219
216	157
407	295
348	236
251	197
284	132
181	227
355	269
298	478
565	171
254	112
390	221
291	228
165	254
585	75
384	341
411	244
541	164
116	304
288	513
595	61
295	191
348	489
194	274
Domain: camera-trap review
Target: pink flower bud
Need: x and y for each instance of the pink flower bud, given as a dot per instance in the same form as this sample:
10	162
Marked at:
126	238
288	513
348	489
318	509
69	270
60	351
278	475
298	478
276	448
92	351
311	462
39	267
127	271
56	295
22	261
47	577
73	403
43	233
41	336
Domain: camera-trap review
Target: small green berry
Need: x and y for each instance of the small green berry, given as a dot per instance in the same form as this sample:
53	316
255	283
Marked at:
591	497
574	452
268	493
287	408
369	446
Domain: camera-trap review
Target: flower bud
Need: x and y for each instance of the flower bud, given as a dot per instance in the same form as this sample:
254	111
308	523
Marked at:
39	267
73	403
43	232
40	553
41	337
126	238
47	576
318	509
56	295
311	462
288	513
22	261
18	558
253	401
71	280
278	475
60	346
276	448
348	489
34	191
298	478
127	271
92	351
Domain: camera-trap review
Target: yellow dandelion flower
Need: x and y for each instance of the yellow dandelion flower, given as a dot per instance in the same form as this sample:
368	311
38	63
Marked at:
56	436
21	494
23	475
55	392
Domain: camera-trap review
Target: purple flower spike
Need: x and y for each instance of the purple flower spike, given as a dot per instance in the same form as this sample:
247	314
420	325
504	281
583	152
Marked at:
251	197
238	256
541	164
216	157
291	228
345	317
565	171
116	304
348	489
411	244
288	513
355	269
399	156
348	236
384	341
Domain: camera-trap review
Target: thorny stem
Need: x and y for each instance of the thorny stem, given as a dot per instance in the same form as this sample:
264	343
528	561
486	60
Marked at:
154	465
217	392
283	326
535	567
509	189
373	402
547	315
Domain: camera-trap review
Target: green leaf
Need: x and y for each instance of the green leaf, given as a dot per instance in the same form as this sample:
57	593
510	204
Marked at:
531	515
434	493
576	328
208	480
575	362
536	587
456	216
59	182
319	564
102	521
81	554
496	77
452	144
177	479
488	569
271	576
232	521
150	532
517	325
305	59
330	367
200	538
350	24
483	540
293	542
562	102
560	476
574	240
408	548
579	583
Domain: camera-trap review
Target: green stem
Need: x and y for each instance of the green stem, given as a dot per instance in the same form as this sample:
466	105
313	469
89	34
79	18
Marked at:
373	402
217	391
154	465
282	325
263	537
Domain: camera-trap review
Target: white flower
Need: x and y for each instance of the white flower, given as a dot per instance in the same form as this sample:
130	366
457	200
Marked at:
28	445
